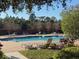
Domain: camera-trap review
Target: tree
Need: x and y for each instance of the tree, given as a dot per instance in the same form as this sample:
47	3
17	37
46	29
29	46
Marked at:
10	25
1	24
28	4
70	23
32	17
49	24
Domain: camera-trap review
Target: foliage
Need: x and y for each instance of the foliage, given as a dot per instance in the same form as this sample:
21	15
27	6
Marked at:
69	45
2	56
70	23
28	4
67	53
32	17
38	54
33	25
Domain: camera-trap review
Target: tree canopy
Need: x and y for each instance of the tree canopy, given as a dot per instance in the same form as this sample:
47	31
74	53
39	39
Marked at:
33	25
70	23
28	4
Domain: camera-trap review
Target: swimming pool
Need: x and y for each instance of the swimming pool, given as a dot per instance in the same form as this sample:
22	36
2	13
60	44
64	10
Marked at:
32	38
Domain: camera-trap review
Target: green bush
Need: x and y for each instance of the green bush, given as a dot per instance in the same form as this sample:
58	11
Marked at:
2	56
69	45
67	53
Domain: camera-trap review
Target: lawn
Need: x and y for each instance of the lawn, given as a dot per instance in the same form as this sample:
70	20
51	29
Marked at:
38	54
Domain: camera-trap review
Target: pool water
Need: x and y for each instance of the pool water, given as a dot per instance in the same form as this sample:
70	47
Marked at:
33	38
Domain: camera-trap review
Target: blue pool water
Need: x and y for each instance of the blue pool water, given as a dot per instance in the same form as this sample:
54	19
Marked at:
33	38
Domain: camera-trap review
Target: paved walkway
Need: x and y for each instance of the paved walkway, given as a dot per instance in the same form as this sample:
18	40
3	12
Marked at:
15	55
11	46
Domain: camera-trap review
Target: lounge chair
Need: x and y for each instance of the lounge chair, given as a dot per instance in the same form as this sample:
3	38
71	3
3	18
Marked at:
35	46
31	46
49	41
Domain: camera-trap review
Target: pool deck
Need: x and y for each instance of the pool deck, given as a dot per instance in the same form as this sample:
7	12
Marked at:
16	36
12	48
9	46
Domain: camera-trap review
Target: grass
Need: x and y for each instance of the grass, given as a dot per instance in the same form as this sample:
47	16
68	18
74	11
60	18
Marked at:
38	54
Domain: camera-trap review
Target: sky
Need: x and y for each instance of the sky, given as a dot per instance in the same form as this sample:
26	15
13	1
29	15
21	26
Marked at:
43	12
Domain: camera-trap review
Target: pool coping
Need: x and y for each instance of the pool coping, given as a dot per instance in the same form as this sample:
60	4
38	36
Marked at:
18	36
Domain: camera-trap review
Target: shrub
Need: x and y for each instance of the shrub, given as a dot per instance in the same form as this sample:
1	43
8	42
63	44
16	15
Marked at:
69	45
2	56
67	53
